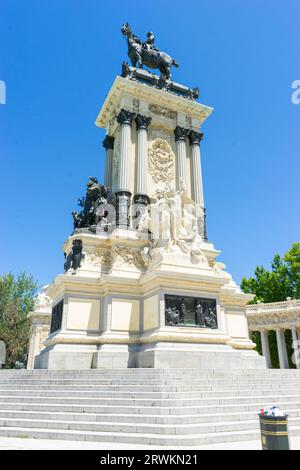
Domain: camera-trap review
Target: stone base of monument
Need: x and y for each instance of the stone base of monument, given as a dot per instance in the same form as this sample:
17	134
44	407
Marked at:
65	357
197	356
154	355
115	312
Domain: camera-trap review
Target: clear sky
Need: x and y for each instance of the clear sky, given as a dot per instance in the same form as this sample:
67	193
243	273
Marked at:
59	59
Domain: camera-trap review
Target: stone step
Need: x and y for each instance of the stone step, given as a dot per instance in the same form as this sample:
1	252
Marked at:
171	386
152	373
96	379
145	406
151	402
138	417
144	428
151	395
143	439
197	411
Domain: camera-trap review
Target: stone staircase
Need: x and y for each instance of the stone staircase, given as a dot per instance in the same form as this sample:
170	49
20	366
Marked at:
173	407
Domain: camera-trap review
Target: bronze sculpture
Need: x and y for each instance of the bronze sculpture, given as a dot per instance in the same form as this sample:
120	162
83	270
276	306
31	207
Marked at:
91	214
145	53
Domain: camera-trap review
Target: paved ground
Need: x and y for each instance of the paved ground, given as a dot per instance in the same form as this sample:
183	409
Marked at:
11	443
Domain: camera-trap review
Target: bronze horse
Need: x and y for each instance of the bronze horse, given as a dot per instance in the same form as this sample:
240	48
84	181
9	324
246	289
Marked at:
139	54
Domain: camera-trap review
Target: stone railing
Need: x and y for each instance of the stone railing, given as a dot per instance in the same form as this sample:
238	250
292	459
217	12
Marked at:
273	307
271	316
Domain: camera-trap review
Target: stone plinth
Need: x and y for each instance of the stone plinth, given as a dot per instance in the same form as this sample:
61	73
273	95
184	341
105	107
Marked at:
118	303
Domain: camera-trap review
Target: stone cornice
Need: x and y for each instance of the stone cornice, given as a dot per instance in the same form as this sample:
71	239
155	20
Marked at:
123	87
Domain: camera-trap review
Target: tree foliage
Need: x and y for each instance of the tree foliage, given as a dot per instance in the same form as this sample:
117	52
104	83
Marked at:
16	301
275	285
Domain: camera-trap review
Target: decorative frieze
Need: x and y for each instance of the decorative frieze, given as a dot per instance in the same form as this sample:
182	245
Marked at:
274	315
162	111
122	256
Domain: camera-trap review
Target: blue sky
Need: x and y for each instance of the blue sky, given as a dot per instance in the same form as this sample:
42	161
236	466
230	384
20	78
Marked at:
59	59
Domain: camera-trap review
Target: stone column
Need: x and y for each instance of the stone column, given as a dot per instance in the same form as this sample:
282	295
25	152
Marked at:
123	194
180	138
266	348
142	123
108	144
296	347
197	184
141	198
282	352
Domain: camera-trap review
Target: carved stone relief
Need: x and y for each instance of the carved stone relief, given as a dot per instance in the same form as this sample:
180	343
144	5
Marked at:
161	161
126	256
161	111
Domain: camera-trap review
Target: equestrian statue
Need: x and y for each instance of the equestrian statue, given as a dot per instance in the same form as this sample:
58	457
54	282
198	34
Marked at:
146	53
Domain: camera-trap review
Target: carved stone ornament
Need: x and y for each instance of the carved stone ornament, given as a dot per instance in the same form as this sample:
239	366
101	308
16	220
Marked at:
42	301
98	260
161	111
195	137
142	122
180	133
161	161
173	225
126	256
125	117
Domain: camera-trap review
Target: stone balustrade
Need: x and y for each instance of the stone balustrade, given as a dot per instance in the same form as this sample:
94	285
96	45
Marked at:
279	317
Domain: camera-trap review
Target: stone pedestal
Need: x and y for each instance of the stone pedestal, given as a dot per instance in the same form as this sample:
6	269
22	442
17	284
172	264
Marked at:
149	293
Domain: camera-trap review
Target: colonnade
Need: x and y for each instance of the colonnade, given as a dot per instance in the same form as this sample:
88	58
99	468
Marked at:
141	198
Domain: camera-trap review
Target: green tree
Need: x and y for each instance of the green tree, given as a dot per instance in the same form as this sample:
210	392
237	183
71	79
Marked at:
16	301
275	285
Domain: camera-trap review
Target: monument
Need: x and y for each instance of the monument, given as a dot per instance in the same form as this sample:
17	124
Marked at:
141	285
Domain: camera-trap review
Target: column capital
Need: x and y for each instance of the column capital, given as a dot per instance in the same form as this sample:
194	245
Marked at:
264	330
108	142
195	137
180	133
125	117
142	122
